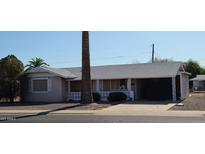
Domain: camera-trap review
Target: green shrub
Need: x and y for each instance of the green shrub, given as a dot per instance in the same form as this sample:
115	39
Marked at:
96	97
117	96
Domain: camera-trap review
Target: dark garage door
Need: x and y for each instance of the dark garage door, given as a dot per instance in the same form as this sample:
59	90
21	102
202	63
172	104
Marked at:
156	89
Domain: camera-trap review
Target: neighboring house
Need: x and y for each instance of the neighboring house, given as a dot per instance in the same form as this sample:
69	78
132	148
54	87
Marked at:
149	81
199	83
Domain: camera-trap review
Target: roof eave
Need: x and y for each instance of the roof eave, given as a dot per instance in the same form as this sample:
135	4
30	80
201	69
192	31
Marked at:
187	73
52	72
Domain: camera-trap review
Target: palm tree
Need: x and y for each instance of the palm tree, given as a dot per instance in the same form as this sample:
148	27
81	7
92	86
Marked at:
36	62
86	92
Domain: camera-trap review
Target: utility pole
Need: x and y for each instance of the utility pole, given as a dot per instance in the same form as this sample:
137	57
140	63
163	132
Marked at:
153	53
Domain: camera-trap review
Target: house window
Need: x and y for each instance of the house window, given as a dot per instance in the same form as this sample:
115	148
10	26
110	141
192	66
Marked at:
94	86
106	85
75	86
40	85
118	84
123	84
115	85
101	85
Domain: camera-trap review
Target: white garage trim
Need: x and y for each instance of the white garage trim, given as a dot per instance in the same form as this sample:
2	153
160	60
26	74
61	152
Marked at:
174	89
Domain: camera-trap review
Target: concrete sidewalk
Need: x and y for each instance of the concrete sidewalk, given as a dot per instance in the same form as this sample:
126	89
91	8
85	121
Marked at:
119	110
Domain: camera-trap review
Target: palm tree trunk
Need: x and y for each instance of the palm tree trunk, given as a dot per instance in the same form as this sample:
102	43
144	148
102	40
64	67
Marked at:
86	92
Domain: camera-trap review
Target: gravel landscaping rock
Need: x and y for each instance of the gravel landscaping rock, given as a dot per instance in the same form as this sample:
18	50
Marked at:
196	101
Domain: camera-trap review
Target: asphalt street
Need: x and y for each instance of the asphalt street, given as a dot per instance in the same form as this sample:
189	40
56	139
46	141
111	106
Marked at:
89	118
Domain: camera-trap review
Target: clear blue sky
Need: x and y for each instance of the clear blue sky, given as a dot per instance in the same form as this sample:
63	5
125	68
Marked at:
63	49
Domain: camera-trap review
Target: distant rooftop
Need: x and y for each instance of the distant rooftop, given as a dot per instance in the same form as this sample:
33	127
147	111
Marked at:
199	78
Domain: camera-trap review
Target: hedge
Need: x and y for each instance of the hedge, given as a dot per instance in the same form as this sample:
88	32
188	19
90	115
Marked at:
96	97
117	96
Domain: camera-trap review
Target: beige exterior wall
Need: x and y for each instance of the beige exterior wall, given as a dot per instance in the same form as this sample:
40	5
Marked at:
64	92
56	91
184	85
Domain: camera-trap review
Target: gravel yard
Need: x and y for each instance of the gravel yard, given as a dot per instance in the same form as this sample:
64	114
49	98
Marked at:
196	101
52	106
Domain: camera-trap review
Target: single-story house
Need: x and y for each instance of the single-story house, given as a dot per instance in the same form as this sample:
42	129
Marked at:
149	81
199	83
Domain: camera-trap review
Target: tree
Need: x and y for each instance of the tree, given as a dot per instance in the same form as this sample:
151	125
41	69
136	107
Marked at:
202	71
86	92
161	60
10	71
37	62
193	67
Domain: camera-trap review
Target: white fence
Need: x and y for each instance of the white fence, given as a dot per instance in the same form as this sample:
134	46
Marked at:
76	96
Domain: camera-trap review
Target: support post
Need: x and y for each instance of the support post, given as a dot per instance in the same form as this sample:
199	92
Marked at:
174	89
129	88
181	87
68	86
97	85
129	85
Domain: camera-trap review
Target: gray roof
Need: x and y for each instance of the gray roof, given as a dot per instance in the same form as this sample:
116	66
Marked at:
146	70
64	73
138	71
199	78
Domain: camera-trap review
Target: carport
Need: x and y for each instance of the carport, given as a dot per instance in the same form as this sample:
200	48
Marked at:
156	89
160	89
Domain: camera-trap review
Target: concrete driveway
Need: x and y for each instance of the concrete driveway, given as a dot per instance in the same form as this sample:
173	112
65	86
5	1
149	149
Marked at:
147	110
140	107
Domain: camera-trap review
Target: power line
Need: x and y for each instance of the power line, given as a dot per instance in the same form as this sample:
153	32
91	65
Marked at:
97	59
80	61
